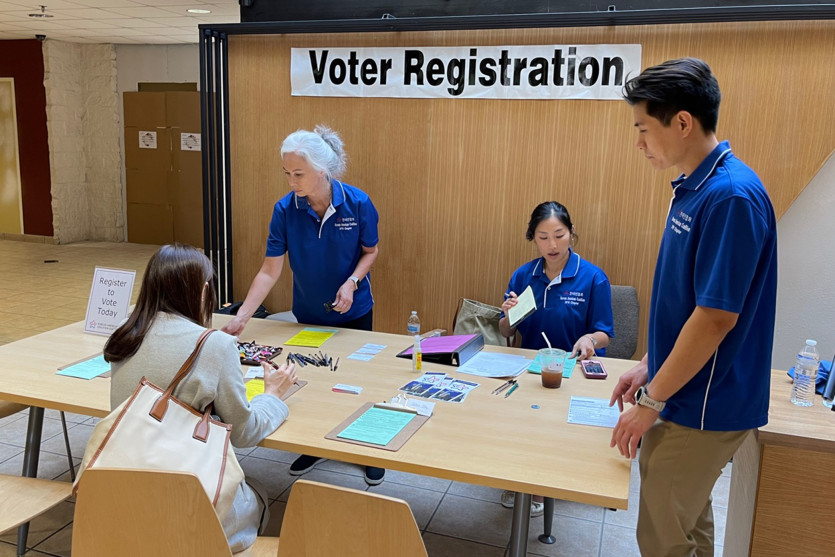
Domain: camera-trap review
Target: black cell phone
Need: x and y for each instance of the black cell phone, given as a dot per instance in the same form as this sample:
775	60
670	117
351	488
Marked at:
593	369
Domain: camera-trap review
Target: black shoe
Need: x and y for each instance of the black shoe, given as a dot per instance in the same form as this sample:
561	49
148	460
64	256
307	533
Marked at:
304	464
374	475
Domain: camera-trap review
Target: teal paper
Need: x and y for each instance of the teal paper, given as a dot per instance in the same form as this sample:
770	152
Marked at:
377	426
568	367
87	369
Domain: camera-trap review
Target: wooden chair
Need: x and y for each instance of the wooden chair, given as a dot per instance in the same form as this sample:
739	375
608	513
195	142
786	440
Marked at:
324	520
25	498
149	513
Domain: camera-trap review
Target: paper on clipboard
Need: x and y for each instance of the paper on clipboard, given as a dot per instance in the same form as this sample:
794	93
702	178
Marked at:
525	305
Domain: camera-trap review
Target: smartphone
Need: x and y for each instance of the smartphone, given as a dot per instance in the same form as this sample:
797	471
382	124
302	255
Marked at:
593	369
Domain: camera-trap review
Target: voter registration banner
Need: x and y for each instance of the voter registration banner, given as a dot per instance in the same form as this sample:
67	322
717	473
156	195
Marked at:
467	72
109	300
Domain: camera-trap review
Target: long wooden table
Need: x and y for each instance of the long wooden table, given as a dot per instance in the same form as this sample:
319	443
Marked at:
521	443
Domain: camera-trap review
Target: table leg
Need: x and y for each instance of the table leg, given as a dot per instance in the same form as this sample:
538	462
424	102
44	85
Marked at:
30	464
519	526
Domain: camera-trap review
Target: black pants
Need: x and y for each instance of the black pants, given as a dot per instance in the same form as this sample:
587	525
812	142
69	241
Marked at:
360	323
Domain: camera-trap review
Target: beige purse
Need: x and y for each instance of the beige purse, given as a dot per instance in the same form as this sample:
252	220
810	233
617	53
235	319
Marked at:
473	317
152	430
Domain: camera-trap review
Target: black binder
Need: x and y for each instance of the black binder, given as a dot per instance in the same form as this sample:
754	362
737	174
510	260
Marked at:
453	350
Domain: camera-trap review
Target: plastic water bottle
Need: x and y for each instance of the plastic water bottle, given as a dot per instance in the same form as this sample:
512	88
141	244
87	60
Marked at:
417	355
413	326
805	374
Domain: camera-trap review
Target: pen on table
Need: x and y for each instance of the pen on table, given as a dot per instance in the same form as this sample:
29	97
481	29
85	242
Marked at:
501	387
330	362
336	365
505	386
513	388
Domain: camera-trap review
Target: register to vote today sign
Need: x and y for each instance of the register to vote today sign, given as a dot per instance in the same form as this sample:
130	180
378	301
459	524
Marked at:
109	300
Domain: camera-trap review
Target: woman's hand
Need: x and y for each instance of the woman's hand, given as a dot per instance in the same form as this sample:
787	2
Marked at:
278	381
583	348
236	326
344	296
510	301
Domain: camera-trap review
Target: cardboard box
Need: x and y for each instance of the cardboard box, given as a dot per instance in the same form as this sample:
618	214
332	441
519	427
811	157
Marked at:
146	109
147	186
150	223
144	151
182	110
188	226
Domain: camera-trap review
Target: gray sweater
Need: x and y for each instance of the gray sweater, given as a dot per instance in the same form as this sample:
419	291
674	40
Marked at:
216	377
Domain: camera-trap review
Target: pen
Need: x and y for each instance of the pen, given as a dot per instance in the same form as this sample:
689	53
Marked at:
513	388
330	362
500	388
336	365
274	366
506	385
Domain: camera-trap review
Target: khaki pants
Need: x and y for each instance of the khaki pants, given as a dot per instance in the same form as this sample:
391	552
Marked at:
679	466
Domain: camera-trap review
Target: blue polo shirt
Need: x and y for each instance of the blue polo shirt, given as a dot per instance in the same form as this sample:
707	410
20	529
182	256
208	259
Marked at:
324	252
576	303
719	250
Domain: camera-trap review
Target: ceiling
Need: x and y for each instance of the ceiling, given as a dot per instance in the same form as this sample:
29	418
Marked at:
114	21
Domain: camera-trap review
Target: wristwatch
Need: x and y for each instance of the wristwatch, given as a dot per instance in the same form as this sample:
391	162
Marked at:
356	282
643	399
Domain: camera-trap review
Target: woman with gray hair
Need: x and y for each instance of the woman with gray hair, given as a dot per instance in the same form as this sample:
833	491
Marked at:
328	229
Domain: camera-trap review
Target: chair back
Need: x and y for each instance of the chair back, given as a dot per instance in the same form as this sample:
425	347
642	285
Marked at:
144	513
324	520
626	310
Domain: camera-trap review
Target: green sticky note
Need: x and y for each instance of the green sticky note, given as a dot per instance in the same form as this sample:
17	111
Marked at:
568	367
377	425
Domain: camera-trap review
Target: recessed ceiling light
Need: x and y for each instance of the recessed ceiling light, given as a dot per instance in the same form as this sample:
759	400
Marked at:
198	11
42	13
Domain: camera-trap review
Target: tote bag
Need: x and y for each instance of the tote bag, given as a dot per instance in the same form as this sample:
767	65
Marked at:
475	317
153	430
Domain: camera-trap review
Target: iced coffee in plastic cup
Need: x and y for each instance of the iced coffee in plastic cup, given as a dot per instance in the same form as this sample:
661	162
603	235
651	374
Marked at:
552	360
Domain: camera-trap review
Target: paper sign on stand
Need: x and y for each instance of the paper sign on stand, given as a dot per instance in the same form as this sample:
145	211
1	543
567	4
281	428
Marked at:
109	300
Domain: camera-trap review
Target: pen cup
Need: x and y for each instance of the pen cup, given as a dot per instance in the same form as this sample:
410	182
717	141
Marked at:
552	361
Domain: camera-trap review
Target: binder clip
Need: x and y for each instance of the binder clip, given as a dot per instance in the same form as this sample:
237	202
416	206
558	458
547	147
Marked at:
399	403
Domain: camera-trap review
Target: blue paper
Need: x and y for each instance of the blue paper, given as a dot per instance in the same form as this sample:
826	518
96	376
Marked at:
377	426
567	369
87	369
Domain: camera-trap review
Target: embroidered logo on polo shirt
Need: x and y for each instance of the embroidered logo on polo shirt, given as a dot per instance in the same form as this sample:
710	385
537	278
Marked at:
572	298
345	223
680	222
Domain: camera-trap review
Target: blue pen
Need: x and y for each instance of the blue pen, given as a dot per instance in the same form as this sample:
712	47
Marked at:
513	388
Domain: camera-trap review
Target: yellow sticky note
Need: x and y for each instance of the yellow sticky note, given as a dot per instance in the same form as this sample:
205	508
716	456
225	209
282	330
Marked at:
254	387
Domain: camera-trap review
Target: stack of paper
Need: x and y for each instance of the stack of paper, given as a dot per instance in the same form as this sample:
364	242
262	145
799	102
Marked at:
492	364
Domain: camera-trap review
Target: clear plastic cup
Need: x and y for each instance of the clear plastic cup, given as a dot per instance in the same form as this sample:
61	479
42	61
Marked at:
552	360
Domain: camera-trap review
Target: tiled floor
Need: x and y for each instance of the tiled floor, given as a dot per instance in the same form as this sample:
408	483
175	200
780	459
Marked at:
457	520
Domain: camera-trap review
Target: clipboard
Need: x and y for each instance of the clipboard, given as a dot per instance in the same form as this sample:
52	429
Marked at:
394	445
292	390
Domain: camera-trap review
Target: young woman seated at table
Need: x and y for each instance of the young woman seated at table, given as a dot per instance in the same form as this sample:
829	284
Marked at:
573	297
174	307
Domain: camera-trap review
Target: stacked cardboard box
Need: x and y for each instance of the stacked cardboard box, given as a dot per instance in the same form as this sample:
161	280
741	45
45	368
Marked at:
163	168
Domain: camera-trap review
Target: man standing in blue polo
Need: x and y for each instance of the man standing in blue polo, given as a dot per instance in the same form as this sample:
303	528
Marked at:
703	385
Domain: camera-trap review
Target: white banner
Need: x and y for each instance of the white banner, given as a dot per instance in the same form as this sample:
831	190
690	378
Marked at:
483	72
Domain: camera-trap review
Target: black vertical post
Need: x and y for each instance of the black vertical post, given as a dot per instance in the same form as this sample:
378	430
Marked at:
204	130
227	162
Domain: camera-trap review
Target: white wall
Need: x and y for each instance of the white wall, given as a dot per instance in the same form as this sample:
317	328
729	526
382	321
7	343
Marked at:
806	271
149	64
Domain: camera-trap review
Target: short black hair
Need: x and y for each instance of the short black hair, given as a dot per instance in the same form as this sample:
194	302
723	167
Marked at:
547	210
675	85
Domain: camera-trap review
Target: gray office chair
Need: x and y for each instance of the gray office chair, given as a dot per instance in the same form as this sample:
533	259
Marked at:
625	310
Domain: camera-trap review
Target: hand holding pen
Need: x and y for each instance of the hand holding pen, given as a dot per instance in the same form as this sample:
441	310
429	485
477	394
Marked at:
510	300
278	379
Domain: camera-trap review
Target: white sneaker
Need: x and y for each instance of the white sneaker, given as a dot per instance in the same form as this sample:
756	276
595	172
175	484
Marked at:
509	498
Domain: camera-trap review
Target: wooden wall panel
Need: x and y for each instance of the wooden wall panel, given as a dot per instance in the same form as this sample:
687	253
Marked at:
455	180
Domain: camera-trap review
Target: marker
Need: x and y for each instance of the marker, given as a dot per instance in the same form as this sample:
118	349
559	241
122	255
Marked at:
513	388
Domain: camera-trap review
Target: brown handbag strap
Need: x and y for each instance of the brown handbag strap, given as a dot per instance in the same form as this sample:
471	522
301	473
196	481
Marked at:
160	406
